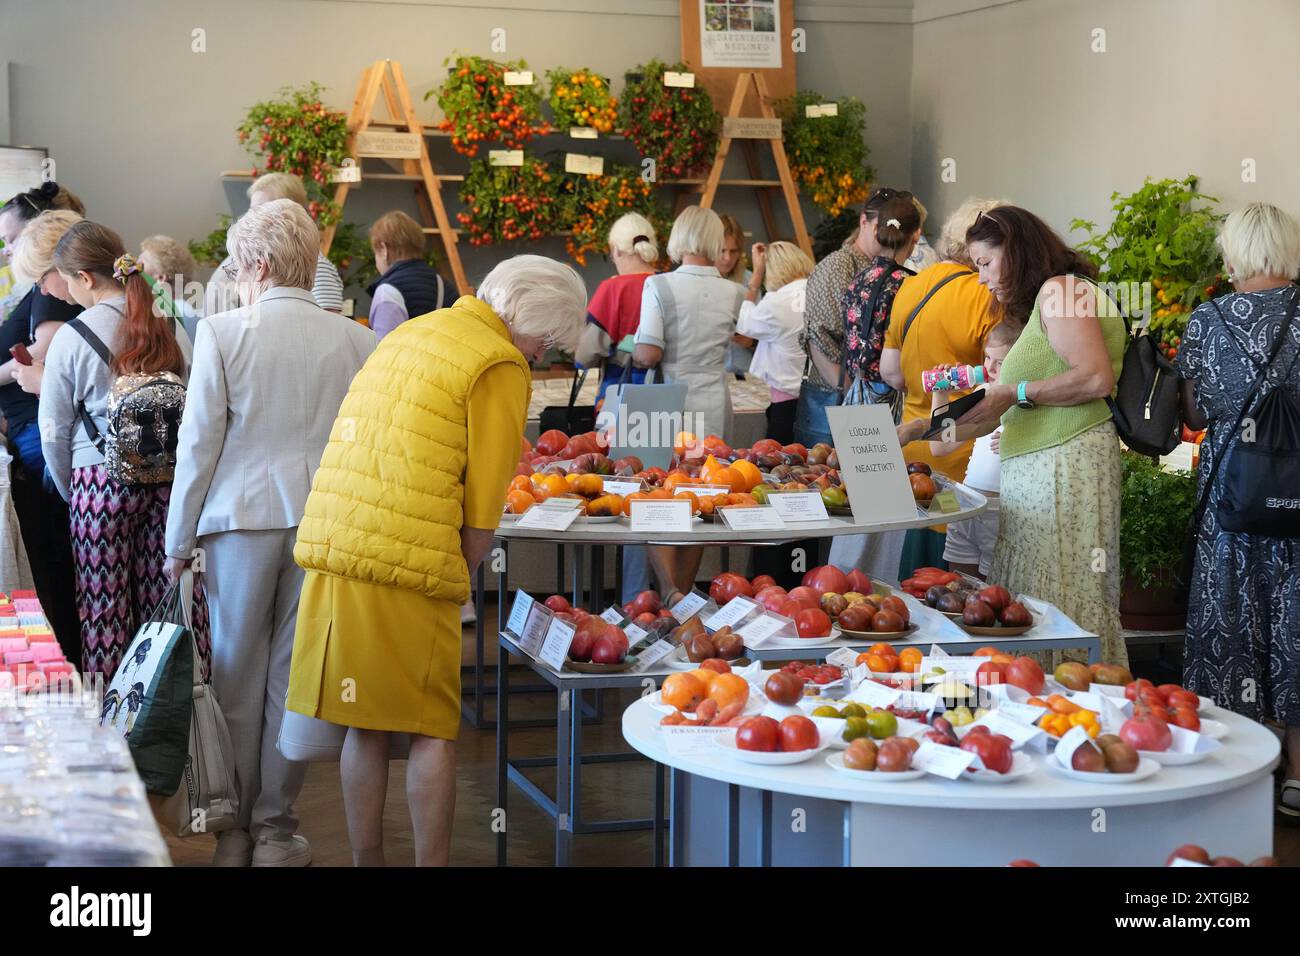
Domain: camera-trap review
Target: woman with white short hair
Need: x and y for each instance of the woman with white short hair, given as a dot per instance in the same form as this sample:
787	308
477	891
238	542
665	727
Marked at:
401	513
265	386
1243	606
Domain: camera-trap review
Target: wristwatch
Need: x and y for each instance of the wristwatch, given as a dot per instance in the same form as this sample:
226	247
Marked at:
1022	396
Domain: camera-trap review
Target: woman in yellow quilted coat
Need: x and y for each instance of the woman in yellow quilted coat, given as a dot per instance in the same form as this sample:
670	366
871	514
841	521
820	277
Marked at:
401	512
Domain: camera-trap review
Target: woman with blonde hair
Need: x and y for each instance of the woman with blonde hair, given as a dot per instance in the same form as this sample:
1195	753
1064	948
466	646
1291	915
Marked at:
42	513
614	313
407	285
731	265
168	268
402	511
1243	609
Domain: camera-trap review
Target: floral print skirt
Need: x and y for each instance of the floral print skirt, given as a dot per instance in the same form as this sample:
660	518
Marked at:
1058	536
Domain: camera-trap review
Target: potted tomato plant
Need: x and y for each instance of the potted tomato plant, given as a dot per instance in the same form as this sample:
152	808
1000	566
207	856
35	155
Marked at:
1155	511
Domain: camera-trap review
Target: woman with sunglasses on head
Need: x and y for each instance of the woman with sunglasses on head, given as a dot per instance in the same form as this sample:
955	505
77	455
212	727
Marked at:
42	513
1058	537
401	513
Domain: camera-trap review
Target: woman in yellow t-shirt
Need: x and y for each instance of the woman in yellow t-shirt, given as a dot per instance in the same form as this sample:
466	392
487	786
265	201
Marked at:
949	329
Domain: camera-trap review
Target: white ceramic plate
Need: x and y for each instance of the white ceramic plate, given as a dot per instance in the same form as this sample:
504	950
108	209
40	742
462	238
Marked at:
1022	765
1146	767
677	661
836	763
1214	729
775	759
1171	759
1206	704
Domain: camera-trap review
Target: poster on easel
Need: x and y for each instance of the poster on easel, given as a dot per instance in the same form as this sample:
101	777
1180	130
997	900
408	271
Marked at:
743	35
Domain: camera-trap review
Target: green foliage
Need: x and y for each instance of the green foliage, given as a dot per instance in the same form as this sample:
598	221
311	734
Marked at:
211	249
828	154
1155	510
678	128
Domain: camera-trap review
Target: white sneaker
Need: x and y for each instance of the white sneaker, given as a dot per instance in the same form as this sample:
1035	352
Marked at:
295	851
234	848
467	613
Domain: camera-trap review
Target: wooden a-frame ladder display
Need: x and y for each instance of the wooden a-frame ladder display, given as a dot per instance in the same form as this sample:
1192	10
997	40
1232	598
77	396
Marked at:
386	77
743	83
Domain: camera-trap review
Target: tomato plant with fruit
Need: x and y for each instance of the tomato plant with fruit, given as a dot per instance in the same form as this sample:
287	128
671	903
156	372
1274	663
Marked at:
582	98
479	107
296	133
828	154
591	205
504	203
677	128
1155	508
1162	234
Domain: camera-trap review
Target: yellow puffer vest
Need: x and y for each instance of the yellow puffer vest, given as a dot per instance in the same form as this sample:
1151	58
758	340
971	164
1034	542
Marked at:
386	504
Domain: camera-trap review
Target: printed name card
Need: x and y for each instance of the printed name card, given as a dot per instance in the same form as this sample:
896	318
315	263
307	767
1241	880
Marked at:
765	627
1094	701
555	648
845	657
613	615
705	491
818	110
762	518
621	486
871	463
519	613
796	506
915	700
688	606
875	695
584	165
1021	734
684	81
942	760
519	77
635	634
684	740
535	627
549	519
505	157
731	614
960	668
583	132
1028	714
653	655
1070	741
654	517
347	173
1110	716
1190	742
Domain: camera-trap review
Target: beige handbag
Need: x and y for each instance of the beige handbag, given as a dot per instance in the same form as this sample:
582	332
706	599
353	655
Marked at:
207	801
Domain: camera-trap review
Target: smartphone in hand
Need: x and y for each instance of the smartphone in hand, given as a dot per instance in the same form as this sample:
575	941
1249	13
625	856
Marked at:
20	353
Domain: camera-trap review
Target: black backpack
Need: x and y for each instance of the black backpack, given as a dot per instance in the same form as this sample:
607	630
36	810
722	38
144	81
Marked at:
1261	478
1147	407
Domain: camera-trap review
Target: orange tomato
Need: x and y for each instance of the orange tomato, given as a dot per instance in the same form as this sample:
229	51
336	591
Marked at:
731	478
749	473
634	496
709	469
605	506
659	494
684	691
571	480
689	496
882	663
706	506
909	659
521	483
1000	658
985	651
589	486
517	502
551	486
884	649
674	479
741	500
728	689
684	442
1061	705
705	676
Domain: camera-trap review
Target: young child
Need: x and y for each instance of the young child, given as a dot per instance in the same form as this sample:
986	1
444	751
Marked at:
969	545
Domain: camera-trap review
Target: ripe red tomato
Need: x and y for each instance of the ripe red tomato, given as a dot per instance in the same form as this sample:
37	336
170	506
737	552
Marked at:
826	578
758	734
1025	673
1146	733
1190	851
990	673
1164	690
993	749
812	622
859	582
1184	698
784	688
805	596
729	585
1131	691
557	602
1186	718
798	733
772	598
762	581
647	602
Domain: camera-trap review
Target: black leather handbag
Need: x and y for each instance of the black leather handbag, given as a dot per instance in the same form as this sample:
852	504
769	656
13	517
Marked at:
571	419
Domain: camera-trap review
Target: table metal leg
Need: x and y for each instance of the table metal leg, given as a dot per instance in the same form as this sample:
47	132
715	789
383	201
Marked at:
848	836
733	825
765	830
579	553
503	744
574	757
563	833
597	578
480	605
503	585
559	569
658	849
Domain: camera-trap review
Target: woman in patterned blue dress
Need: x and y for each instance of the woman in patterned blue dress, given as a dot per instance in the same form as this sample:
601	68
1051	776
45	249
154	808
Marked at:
1243	616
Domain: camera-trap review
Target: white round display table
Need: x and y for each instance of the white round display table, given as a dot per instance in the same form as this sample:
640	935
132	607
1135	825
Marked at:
726	811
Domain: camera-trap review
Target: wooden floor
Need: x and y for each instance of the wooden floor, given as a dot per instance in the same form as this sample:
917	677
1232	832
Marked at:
612	791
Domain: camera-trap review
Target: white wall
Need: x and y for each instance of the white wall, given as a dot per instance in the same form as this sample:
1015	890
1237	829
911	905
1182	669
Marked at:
141	126
1014	94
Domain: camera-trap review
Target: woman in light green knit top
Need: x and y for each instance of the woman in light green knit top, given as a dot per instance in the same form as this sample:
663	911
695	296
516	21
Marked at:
1058	536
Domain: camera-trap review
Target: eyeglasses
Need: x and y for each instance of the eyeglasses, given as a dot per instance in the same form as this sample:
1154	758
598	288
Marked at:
231	270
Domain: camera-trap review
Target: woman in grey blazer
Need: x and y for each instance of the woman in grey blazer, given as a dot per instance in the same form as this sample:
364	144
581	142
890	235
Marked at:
264	390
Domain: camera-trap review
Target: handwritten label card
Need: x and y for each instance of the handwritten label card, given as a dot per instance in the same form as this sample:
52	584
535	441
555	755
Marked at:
621	486
942	760
519	613
505	157
796	506
654	517
653	655
731	614
555	648
752	519
765	627
519	77
684	81
871	463
688	606
549	519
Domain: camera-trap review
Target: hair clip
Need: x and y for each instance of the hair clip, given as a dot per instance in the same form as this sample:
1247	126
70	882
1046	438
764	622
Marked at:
894	222
124	265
